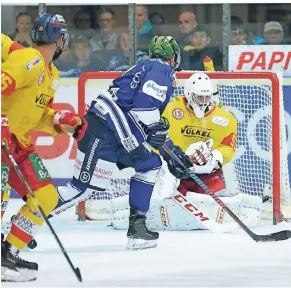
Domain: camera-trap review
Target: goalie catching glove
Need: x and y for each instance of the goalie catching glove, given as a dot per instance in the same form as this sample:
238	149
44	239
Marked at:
157	133
64	120
204	160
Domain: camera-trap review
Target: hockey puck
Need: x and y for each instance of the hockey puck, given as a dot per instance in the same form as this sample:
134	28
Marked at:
265	198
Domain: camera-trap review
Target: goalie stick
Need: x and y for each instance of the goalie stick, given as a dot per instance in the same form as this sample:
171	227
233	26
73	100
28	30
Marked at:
277	236
21	177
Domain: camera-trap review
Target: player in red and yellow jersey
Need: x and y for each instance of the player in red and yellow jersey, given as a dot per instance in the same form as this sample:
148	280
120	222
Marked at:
7	47
28	83
204	130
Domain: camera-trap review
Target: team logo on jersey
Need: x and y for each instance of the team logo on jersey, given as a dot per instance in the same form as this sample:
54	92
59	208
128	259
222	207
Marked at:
221	121
151	88
33	63
85	177
178	113
193	131
42	100
135	80
40	79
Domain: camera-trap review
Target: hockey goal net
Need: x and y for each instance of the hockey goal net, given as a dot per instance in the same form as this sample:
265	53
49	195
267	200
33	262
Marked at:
260	163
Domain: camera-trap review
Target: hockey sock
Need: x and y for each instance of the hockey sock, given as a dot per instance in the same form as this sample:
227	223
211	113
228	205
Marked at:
5	196
28	220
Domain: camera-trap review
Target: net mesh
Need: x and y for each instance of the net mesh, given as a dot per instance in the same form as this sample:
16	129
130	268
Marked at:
251	170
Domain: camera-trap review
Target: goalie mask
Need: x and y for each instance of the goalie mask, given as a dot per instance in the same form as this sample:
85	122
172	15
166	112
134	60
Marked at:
199	93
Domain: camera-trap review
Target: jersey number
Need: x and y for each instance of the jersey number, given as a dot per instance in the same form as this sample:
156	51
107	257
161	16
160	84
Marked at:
7	84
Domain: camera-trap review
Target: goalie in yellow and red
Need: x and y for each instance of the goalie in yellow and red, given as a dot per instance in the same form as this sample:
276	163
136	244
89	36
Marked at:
28	83
206	131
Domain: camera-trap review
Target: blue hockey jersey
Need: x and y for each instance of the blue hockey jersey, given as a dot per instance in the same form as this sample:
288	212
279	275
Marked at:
147	85
136	100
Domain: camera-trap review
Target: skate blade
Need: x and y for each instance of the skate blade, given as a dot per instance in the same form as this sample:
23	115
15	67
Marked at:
140	244
21	275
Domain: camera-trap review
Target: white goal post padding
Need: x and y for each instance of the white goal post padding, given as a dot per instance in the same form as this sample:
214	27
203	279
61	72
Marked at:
260	163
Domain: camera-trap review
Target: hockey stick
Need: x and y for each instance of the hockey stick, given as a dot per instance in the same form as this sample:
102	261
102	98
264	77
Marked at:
21	177
277	236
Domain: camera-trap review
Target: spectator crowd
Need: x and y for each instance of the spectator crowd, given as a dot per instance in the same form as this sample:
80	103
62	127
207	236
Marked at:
108	48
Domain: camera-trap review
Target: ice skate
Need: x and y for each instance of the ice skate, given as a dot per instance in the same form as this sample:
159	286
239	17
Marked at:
139	236
14	268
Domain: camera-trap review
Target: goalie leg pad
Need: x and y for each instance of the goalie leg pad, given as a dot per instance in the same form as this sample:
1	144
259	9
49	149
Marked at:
250	209
167	215
246	207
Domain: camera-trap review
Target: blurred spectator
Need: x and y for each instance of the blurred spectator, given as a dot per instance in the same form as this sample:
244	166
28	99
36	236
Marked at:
120	60
22	33
193	55
83	25
273	33
187	23
83	59
144	28
288	27
107	37
238	34
157	20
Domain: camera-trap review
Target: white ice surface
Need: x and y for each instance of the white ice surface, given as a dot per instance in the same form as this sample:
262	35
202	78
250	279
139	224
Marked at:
189	259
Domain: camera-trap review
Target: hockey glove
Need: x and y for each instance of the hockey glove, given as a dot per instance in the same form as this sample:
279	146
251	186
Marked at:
200	152
214	163
65	120
157	133
176	170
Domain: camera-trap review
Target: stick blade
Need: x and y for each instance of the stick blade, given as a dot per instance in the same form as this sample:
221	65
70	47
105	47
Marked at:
277	236
78	274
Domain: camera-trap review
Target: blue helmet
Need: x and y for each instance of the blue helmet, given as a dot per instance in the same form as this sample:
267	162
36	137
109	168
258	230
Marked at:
48	28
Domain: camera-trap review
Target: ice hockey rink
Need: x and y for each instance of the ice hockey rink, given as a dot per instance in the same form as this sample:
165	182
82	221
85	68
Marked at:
181	259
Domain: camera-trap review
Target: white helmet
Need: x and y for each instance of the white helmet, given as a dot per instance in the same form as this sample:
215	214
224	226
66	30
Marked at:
198	91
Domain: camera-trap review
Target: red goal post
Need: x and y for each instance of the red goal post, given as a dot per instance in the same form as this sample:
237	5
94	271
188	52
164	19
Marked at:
234	79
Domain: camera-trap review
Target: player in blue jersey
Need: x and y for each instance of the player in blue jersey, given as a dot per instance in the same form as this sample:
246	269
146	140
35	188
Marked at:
124	122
